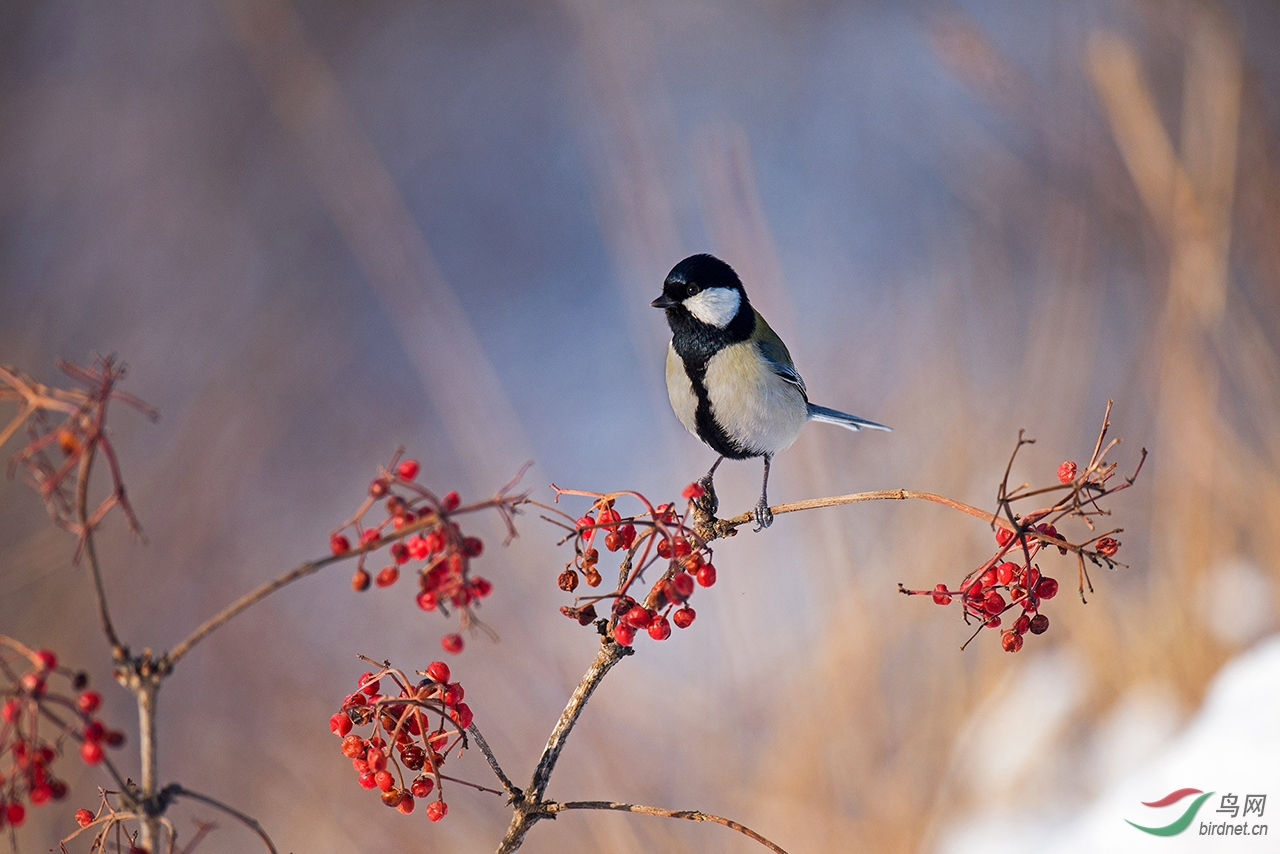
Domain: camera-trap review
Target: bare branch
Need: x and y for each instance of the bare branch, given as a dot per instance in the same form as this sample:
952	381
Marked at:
688	815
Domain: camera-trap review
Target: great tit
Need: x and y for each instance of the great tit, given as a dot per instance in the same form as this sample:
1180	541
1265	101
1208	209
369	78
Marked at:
730	378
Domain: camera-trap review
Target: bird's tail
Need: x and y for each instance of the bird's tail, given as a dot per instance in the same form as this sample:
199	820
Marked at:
849	422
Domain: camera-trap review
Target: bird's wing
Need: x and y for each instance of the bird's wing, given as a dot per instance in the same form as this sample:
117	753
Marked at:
776	354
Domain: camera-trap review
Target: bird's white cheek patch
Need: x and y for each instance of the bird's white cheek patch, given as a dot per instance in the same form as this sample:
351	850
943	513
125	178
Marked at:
716	306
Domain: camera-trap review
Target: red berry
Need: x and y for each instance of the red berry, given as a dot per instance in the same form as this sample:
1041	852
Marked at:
437	810
353	746
33	684
88	702
1022	625
16	813
452	643
400	552
706	575
624	634
94	731
360	581
339	544
12	710
683	618
1003	537
481	587
1108	546
378	487
660	629
427	600
1039	624
613	541
384	780
462	715
47	658
84	818
368	780
340	724
940	595
694	490
438	671
451	501
1011	641
664	548
406	804
422	786
992	622
368	685
1067	472
682	584
987	579
994	603
58	788
40	794
387	576
407	470
680	547
392	797
1005	572
1047	588
639	617
91	752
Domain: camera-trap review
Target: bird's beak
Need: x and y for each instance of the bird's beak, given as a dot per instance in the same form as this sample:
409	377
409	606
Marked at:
663	301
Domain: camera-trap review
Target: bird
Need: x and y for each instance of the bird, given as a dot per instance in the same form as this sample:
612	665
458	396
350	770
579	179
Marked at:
730	378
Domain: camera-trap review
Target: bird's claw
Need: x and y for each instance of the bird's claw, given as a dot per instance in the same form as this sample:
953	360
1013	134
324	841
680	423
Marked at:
763	515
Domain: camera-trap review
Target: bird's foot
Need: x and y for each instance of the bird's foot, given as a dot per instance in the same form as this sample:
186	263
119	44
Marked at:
708	503
764	516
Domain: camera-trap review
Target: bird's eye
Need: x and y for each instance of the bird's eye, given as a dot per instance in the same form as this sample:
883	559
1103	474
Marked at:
692	291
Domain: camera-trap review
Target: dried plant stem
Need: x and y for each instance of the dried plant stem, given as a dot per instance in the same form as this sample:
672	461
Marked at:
178	791
530	808
493	762
688	815
245	602
118	651
145	691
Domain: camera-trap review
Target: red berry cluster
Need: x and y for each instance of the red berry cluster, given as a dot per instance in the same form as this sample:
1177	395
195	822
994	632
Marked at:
417	528
659	535
1011	579
28	708
411	734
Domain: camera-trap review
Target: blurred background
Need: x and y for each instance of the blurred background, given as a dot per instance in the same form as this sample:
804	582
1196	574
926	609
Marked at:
319	230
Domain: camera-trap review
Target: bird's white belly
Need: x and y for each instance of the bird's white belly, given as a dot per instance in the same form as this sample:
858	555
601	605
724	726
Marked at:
680	392
756	407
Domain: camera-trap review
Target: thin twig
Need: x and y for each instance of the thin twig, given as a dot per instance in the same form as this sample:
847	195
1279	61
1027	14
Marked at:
179	791
726	527
688	815
493	762
91	556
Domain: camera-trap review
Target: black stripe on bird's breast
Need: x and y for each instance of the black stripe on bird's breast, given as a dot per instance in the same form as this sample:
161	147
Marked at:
695	345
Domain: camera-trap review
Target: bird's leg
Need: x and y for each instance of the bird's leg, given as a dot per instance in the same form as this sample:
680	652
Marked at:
708	501
764	517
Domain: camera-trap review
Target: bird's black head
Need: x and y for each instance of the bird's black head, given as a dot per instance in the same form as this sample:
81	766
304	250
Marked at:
704	291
